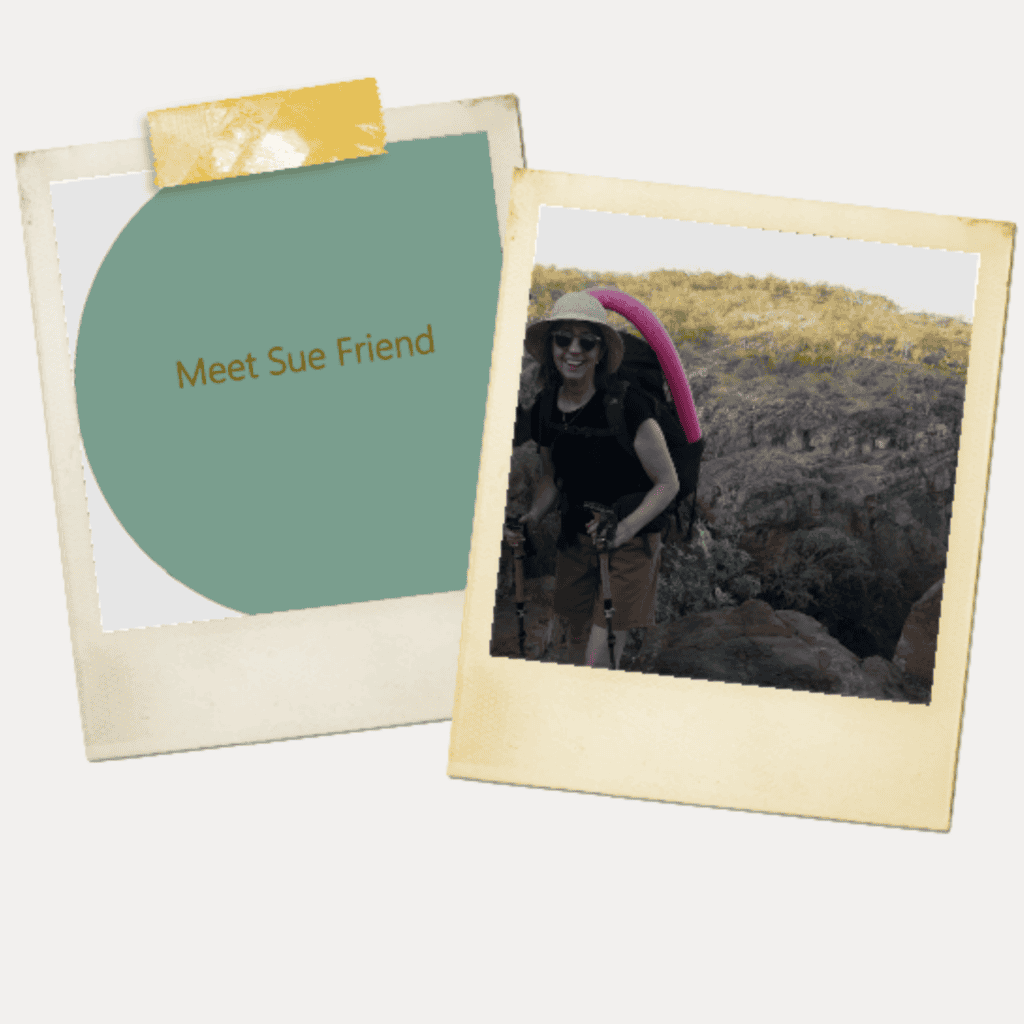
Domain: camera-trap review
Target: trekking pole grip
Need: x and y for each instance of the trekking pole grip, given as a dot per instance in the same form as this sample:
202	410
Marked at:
607	523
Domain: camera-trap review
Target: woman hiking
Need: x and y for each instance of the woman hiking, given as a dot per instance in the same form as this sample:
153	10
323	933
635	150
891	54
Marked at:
583	460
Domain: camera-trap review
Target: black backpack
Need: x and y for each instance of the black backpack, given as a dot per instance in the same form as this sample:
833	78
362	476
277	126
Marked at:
640	369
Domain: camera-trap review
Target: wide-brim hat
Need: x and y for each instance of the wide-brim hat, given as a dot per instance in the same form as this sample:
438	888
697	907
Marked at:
576	306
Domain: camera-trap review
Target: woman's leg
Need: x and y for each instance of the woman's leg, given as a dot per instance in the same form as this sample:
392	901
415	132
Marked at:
597	646
634	578
576	582
579	639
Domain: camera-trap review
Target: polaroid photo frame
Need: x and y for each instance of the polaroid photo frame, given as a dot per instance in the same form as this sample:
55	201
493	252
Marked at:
839	753
161	664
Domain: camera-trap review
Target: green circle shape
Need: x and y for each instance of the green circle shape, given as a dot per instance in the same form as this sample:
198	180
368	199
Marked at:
274	489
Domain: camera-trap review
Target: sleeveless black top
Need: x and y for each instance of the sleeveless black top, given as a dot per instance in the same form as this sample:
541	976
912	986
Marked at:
591	468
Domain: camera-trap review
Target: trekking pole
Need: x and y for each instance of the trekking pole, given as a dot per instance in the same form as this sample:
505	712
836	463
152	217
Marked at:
518	556
607	521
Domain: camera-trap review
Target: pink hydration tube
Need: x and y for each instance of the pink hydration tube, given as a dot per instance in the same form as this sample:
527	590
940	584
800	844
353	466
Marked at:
657	337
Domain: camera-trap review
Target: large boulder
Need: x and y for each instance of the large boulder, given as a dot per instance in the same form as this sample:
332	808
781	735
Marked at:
891	681
915	652
756	645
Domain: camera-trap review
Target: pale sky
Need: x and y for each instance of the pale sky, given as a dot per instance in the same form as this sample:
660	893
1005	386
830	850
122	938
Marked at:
917	279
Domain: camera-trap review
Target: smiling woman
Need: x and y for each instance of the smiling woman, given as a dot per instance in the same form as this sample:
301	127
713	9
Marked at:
583	463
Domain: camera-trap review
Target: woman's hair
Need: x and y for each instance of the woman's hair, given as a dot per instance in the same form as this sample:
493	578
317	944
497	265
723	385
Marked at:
550	376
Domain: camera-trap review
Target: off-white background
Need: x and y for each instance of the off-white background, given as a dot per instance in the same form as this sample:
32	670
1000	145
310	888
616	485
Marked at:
346	878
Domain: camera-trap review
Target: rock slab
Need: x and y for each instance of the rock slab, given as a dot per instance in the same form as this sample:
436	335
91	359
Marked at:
756	645
915	651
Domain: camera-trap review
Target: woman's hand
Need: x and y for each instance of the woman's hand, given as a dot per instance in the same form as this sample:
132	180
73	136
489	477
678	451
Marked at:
544	497
514	536
624	533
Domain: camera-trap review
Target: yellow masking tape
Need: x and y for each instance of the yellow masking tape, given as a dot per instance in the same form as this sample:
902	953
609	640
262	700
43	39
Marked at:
297	128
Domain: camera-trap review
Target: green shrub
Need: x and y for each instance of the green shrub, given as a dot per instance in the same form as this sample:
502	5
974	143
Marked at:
705	574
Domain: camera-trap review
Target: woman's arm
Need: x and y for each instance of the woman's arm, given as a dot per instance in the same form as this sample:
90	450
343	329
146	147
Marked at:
543	498
652	451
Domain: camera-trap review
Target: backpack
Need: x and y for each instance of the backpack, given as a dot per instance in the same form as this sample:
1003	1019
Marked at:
640	369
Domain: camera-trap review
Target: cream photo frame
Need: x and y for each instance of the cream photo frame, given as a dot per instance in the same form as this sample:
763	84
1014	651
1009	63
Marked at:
256	677
697	741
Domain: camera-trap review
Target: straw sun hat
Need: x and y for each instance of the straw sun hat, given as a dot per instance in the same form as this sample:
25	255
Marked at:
576	306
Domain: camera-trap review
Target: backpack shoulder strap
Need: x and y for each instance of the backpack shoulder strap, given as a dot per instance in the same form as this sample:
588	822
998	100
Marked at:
616	414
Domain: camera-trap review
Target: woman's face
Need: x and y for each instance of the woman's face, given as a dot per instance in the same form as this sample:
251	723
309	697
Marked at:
577	348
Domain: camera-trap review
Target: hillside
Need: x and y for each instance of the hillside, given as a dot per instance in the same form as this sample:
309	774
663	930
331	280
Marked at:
774	319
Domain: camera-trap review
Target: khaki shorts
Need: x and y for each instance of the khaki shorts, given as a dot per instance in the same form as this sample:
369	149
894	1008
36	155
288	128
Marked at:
634	577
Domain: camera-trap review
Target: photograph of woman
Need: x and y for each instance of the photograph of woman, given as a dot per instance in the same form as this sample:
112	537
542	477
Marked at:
765	458
584	461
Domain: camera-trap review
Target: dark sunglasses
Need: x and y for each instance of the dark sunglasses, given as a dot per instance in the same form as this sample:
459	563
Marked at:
563	339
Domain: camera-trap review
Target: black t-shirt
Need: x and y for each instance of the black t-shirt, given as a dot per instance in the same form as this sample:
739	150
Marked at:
592	468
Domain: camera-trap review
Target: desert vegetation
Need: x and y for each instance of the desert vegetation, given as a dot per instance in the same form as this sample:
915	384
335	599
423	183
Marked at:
773	321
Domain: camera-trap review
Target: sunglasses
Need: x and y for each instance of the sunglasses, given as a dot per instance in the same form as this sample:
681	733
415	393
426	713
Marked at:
563	339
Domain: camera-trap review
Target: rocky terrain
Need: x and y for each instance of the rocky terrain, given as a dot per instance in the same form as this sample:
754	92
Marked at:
823	518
